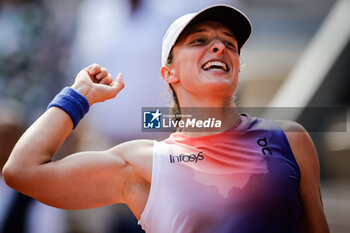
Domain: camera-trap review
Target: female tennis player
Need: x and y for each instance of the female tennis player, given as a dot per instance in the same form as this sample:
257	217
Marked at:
255	175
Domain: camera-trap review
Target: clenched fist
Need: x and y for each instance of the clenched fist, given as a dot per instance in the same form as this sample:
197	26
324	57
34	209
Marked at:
96	84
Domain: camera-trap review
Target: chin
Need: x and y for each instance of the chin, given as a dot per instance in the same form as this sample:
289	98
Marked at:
222	84
222	89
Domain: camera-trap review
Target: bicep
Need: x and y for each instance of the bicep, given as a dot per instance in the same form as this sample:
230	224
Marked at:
313	215
79	181
313	219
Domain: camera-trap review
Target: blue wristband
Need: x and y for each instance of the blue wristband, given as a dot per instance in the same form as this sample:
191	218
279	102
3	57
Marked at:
73	103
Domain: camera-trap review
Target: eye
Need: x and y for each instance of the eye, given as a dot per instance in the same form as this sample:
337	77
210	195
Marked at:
199	41
230	45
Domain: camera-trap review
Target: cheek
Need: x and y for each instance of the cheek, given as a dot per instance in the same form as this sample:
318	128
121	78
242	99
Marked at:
187	67
236	61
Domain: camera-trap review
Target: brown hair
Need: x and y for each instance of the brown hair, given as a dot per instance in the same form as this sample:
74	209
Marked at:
175	106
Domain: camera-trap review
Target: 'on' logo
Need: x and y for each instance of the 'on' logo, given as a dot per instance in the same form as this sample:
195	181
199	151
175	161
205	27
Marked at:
263	143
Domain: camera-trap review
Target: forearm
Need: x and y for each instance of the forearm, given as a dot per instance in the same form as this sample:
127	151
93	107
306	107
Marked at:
29	167
39	143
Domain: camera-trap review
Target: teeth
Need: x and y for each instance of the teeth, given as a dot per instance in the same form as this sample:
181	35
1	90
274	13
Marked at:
215	65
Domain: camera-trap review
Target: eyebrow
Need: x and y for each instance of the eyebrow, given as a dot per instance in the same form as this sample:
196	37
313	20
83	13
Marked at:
194	31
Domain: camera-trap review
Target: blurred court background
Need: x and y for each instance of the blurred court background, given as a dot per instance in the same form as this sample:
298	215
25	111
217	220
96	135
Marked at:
297	56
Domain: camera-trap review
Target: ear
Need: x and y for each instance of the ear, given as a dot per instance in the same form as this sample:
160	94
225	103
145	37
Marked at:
169	75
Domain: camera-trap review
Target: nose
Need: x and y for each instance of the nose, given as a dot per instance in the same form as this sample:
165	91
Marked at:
218	47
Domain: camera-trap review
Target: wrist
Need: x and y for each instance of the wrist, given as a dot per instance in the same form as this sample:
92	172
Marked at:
73	103
84	90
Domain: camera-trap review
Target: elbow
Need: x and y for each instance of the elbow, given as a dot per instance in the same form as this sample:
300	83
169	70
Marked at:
12	176
9	174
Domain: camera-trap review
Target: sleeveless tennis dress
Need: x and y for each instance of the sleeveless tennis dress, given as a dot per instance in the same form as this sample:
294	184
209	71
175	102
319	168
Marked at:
243	180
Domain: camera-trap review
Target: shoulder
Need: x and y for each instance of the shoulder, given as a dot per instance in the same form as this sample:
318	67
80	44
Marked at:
290	126
138	154
141	146
302	146
295	133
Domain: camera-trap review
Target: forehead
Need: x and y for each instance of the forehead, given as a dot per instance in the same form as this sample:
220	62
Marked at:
207	26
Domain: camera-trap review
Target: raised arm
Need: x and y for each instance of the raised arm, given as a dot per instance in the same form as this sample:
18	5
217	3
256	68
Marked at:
313	219
82	180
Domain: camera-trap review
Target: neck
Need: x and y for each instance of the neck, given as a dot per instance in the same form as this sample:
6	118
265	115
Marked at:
224	111
214	99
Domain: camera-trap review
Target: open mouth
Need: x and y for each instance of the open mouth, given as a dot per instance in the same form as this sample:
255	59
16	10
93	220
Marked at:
215	66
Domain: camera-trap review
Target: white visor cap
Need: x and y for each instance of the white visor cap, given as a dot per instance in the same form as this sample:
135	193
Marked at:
225	14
